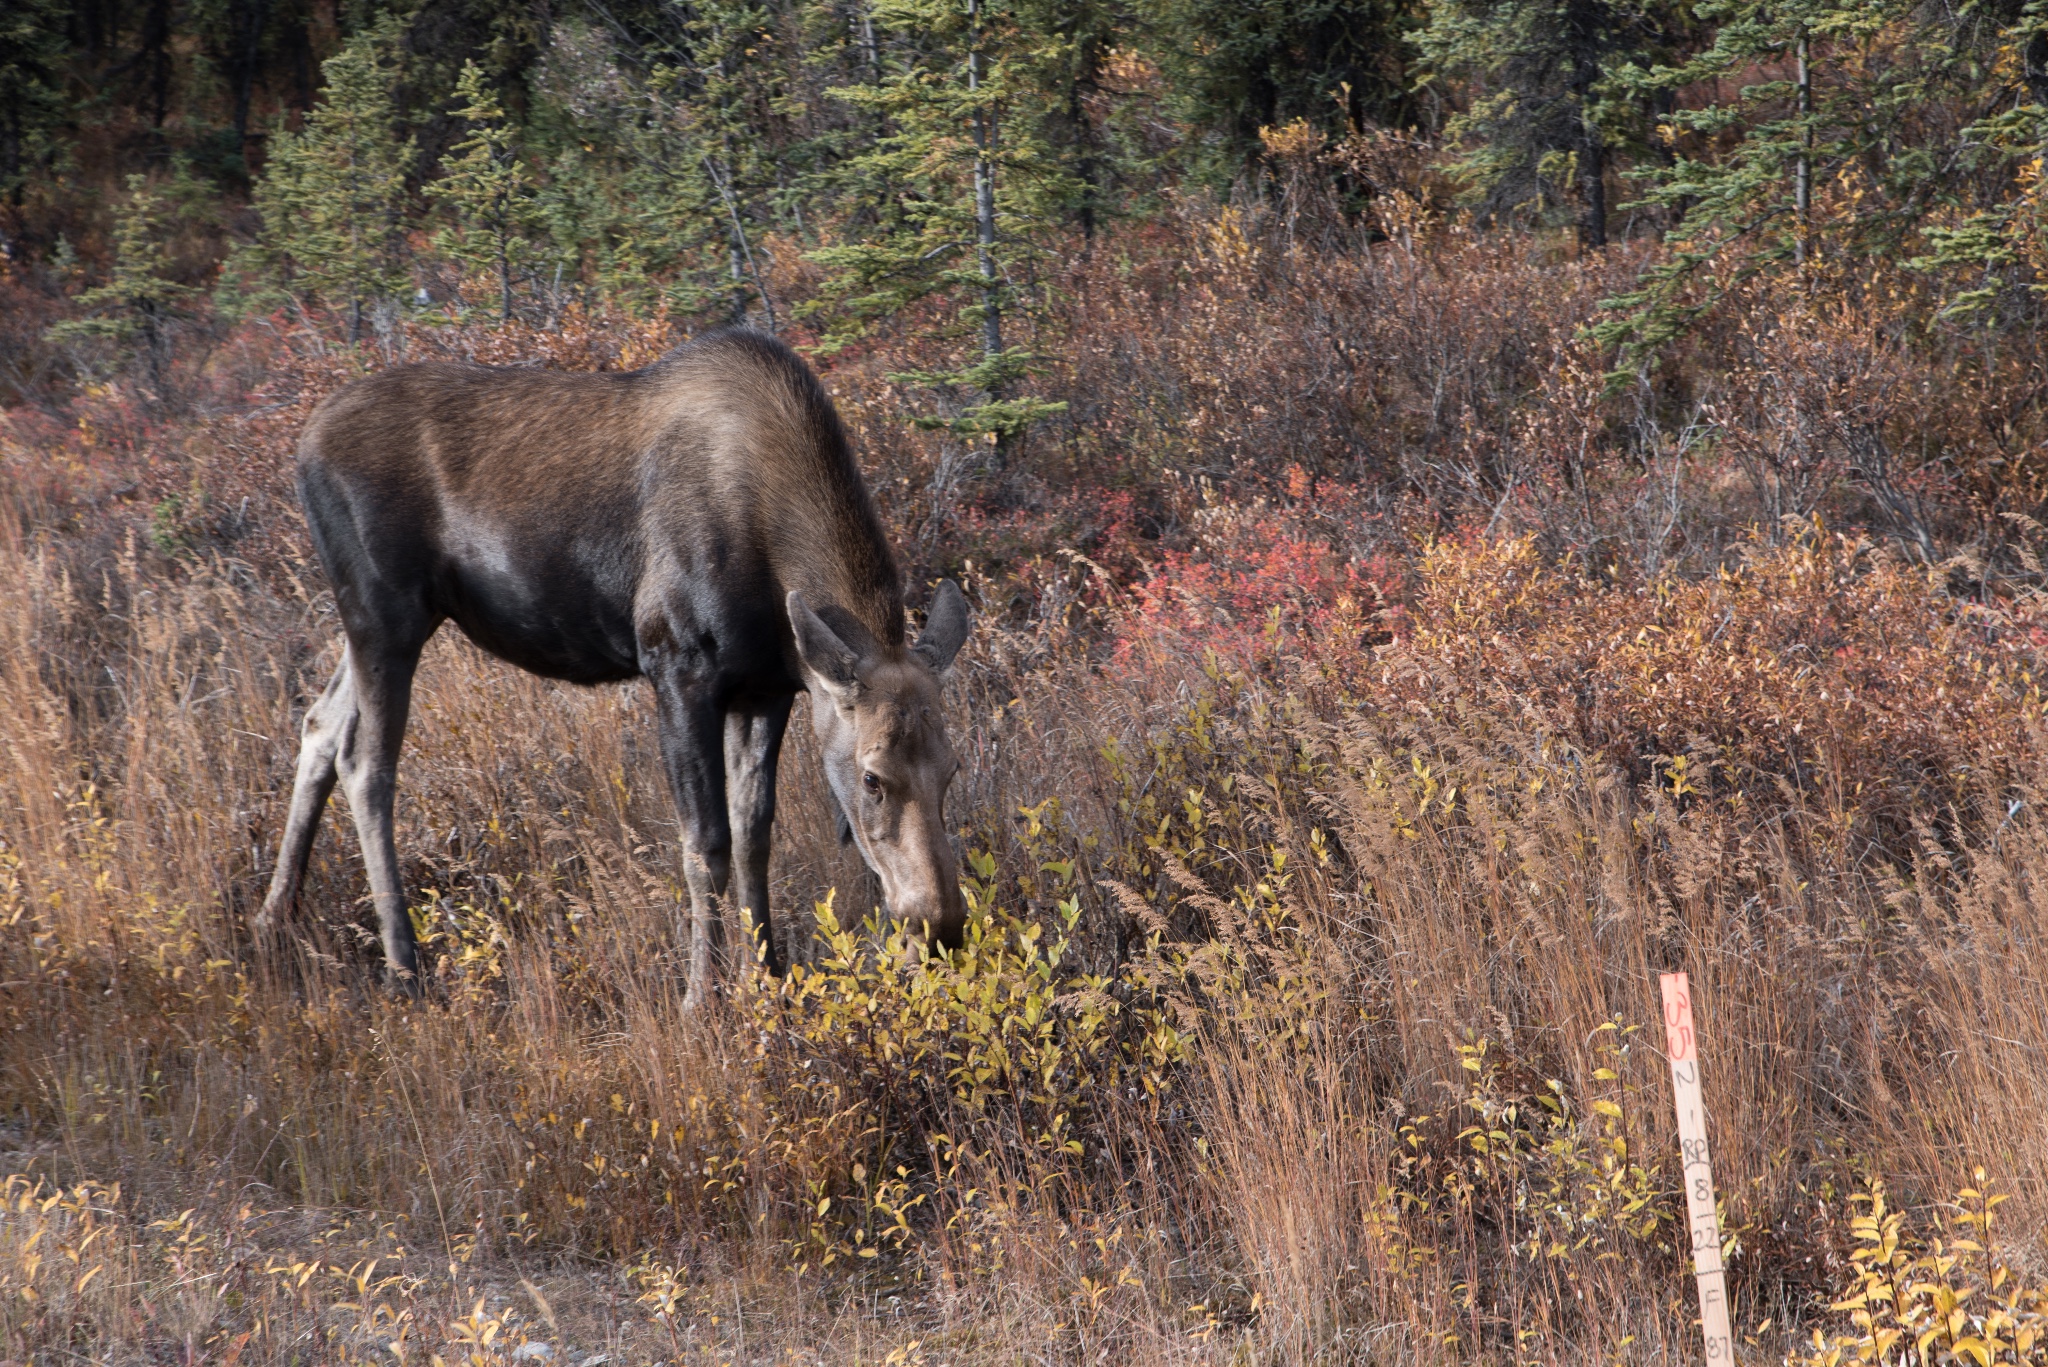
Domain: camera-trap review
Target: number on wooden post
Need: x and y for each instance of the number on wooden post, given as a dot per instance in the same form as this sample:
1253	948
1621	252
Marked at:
1682	1047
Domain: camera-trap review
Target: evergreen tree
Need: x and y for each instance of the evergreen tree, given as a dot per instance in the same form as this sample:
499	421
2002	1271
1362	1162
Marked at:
488	190
1080	126
1992	250
232	33
589	125
32	107
1543	117
728	106
1812	136
140	300
960	189
1236	66
333	196
670	163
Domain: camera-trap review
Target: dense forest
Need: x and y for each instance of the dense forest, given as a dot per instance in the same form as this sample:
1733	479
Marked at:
1467	507
860	175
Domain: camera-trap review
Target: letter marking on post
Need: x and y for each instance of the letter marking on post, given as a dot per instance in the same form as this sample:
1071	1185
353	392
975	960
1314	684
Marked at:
1682	1046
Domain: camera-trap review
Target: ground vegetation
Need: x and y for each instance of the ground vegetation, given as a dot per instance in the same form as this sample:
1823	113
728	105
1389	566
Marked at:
1468	508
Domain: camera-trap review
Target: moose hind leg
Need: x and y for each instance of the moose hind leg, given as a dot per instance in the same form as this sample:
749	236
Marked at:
753	745
328	728
369	777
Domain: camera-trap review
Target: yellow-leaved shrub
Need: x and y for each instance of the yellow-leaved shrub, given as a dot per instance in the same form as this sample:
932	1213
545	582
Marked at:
1945	1298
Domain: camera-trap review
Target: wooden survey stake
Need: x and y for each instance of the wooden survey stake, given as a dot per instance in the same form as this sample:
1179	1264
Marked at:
1682	1046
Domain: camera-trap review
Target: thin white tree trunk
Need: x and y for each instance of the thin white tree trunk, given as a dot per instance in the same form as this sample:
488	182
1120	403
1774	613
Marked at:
984	195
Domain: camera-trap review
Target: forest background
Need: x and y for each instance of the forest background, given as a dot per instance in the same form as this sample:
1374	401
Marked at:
1469	506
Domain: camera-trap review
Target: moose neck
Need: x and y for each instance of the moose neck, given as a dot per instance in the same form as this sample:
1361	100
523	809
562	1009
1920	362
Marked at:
785	459
829	544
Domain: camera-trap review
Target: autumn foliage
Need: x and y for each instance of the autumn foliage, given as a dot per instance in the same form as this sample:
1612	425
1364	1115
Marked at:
1369	697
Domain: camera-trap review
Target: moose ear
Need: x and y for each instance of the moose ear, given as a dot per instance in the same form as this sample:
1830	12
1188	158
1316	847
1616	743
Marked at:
824	654
945	627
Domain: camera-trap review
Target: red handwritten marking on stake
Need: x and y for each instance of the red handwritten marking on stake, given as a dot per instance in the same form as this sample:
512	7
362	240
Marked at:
1681	1045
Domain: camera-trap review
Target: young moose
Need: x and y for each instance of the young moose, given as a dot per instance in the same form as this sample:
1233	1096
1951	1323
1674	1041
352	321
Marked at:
700	523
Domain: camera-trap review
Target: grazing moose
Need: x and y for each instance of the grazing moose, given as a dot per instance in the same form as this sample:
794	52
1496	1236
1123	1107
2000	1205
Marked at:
700	523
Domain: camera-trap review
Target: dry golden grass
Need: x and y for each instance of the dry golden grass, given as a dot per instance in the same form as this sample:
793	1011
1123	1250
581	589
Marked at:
1325	868
1305	1024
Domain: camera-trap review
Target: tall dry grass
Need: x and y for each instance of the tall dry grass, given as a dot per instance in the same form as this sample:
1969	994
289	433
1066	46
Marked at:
1306	1024
1363	711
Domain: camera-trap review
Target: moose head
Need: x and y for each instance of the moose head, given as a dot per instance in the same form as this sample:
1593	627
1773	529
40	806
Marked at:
881	729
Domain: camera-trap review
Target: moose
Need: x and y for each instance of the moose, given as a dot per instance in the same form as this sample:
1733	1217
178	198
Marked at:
700	523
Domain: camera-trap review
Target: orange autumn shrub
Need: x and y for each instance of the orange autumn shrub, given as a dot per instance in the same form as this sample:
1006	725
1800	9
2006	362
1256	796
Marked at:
1264	584
1826	664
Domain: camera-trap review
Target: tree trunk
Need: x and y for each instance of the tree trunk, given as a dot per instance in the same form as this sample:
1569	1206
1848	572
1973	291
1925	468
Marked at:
742	249
155	59
873	49
984	201
1593	190
985	219
2034	67
11	140
1802	171
247	20
1585	22
504	275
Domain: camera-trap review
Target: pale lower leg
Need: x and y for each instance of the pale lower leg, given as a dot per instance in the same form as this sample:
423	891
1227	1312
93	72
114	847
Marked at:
753	743
326	731
693	751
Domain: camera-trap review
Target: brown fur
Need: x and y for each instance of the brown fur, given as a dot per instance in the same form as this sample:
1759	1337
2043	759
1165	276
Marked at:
665	523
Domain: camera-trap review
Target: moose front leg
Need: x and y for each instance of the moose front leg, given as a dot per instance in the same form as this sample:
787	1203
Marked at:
753	745
368	765
693	749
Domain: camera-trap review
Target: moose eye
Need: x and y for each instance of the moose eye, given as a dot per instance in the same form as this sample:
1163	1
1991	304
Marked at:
873	785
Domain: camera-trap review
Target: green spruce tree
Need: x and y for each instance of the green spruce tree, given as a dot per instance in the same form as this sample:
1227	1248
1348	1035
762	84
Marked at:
1800	147
136	307
961	191
333	196
32	103
669	163
1544	116
727	112
1234	67
589	125
1991	255
1094	135
488	192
